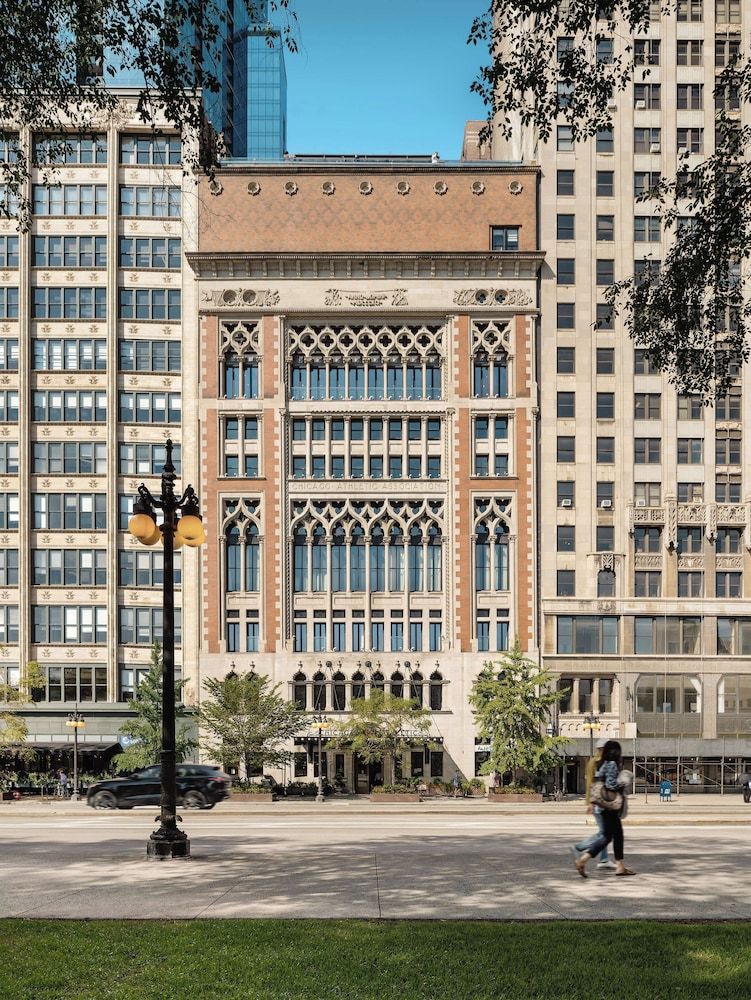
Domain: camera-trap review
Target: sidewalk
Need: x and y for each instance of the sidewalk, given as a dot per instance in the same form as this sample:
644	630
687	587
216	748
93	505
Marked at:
684	809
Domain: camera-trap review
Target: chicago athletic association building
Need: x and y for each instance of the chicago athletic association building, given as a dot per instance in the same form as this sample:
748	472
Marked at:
368	420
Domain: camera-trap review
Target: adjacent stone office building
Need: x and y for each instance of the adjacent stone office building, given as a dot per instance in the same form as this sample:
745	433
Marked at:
368	420
646	518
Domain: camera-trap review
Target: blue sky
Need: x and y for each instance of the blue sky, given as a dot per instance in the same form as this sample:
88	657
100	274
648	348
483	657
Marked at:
386	77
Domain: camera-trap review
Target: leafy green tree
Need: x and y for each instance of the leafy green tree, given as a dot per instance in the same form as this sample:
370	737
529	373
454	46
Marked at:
58	57
382	726
246	719
145	730
13	728
511	699
690	314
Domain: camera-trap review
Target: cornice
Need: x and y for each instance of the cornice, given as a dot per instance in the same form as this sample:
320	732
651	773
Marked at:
361	167
369	265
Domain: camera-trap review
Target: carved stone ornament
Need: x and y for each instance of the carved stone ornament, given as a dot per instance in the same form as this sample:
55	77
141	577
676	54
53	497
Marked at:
290	188
478	187
516	187
402	187
215	187
648	561
328	187
254	188
440	187
729	562
607	561
365	187
231	298
492	297
366	300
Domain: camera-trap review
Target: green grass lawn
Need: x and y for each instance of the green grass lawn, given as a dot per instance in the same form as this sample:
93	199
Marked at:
362	960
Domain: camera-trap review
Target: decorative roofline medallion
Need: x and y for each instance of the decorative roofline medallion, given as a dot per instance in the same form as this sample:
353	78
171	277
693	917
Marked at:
366	300
256	298
492	297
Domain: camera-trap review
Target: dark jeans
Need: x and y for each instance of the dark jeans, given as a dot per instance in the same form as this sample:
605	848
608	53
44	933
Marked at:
612	831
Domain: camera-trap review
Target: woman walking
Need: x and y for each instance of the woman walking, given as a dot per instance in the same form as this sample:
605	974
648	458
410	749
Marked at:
608	770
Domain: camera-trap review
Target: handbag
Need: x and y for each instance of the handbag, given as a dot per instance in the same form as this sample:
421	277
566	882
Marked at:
609	799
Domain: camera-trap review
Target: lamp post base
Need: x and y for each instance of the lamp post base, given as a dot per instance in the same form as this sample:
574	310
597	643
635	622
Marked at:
167	850
320	797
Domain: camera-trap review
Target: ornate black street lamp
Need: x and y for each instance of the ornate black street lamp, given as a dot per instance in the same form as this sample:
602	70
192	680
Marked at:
320	722
592	723
181	526
76	721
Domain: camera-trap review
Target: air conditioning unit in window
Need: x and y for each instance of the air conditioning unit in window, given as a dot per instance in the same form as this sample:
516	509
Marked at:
682	150
655	148
566	502
612	105
640	105
641	502
606	504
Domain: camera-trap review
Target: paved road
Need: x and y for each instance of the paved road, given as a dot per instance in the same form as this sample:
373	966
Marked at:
360	860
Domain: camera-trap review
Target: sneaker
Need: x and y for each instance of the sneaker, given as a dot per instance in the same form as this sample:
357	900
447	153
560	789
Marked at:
607	864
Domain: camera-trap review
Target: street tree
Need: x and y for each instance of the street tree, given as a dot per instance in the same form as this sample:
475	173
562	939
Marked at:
554	61
13	698
142	735
57	58
246	719
512	699
382	726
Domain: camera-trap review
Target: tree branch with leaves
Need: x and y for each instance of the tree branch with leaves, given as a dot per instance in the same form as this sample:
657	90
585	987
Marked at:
512	699
246	720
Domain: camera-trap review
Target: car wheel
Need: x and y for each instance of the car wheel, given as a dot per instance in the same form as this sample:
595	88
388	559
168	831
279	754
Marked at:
104	800
209	805
194	800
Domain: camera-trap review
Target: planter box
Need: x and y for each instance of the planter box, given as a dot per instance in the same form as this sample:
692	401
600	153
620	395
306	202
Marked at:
494	795
396	797
260	797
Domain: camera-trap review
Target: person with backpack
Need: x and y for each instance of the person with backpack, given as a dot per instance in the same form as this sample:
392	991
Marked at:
608	791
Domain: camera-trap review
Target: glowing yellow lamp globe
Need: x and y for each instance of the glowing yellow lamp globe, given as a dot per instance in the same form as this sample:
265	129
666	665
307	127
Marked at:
190	526
194	543
141	526
153	538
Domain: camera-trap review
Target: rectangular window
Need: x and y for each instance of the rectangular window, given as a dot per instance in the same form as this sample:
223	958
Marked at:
690	140
587	634
690	451
647	140
566	540
565	360
565	183
689	52
566	404
566	271
647	96
647	405
647	52
605	361
606	450
647	494
604	139
150	150
647	583
565	139
690	96
690	584
565	316
566	226
647	228
604	184
605	408
647	451
565	493
728	584
566	583
605	228
566	449
605	271
504	237
605	538
644	181
154	202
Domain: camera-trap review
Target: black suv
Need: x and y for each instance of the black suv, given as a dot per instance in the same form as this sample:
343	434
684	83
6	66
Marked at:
199	786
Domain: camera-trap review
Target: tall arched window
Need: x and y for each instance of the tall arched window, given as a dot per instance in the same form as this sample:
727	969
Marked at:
435	558
357	560
396	559
397	685
415	559
319	559
338	560
377	681
416	689
377	561
482	558
501	556
606	583
319	692
300	691
338	692
234	575
358	686
436	692
300	560
252	558
240	375
500	375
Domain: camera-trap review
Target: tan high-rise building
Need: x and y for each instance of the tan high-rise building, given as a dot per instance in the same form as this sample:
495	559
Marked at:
645	517
368	420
